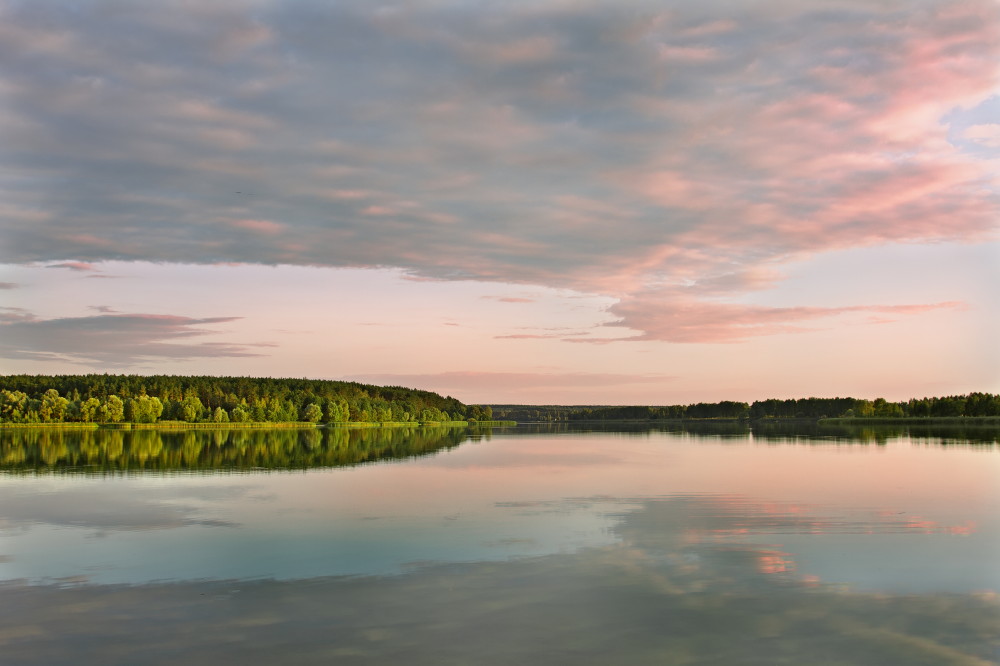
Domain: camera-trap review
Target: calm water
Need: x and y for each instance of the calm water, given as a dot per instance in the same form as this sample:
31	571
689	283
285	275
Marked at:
517	546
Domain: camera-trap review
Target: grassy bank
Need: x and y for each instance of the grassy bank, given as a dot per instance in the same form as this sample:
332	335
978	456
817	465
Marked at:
60	426
185	425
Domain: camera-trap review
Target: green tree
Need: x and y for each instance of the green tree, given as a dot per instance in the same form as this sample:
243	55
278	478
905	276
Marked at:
220	415
112	410
53	408
313	413
90	410
864	408
191	408
883	408
144	409
337	411
948	406
13	406
240	414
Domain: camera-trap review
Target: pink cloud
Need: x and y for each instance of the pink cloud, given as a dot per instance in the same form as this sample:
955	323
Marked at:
521	51
986	134
540	336
75	266
379	211
201	111
687	53
527	336
715	27
348	195
259	226
671	317
508	299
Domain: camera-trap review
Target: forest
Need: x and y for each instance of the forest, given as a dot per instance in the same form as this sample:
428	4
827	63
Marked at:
971	405
105	398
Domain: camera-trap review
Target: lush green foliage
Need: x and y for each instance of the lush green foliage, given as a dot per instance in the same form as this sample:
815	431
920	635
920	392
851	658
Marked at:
973	404
126	450
150	399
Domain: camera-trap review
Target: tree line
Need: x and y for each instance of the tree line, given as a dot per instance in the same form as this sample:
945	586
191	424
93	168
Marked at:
972	404
109	398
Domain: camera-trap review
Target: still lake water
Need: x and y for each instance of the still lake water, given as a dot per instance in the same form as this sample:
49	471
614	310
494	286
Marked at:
527	545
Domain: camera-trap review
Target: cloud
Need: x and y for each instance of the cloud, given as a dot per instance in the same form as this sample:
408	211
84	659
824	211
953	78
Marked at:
680	318
565	335
104	511
9	285
74	266
604	147
986	134
112	339
509	299
455	382
257	226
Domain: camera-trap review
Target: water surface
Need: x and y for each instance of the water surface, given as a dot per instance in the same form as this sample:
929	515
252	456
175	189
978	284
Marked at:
524	545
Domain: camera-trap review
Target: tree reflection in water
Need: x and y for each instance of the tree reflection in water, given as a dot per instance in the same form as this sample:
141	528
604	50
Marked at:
111	451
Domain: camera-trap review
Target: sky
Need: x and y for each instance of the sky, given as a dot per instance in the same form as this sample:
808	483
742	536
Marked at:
545	202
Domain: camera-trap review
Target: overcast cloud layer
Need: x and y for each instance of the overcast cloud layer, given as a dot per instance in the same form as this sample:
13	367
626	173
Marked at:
671	154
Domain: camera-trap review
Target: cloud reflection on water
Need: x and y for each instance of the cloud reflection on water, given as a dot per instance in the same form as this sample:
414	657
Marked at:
108	509
537	562
597	606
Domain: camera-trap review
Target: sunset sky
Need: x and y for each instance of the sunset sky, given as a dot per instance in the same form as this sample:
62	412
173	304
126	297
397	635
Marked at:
508	202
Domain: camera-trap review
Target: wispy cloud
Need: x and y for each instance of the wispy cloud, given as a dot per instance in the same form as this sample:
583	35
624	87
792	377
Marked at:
112	339
676	318
509	299
74	266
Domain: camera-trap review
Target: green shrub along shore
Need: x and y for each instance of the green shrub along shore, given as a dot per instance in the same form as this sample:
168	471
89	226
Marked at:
168	401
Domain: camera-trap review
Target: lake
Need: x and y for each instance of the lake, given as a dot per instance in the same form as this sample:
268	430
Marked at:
524	545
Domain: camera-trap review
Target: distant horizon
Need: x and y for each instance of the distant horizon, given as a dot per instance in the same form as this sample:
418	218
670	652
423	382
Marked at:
521	404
